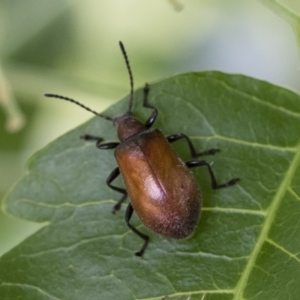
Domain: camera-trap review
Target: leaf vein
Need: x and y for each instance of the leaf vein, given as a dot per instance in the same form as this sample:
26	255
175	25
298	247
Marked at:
28	286
259	100
267	225
273	243
190	293
235	210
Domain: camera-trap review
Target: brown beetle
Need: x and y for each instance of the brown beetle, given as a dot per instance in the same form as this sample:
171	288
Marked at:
161	188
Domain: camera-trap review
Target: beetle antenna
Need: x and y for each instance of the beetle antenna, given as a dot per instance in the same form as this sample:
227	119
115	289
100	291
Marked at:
130	74
79	104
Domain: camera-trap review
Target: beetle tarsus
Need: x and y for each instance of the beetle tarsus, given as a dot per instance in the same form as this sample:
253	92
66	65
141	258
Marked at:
99	140
117	207
232	182
141	252
176	137
214	184
227	184
128	216
209	152
150	121
88	137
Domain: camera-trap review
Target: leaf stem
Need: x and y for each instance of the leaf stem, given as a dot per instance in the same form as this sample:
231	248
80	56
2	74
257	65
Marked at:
285	13
15	118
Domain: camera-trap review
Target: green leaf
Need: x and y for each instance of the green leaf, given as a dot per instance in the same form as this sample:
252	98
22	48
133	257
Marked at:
246	245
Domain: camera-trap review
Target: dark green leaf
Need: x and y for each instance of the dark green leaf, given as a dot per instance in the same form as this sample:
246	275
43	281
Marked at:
247	243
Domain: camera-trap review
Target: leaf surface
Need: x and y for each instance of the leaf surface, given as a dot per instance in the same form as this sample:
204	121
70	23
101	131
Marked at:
246	245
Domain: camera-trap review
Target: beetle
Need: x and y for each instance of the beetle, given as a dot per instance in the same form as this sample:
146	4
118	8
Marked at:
162	190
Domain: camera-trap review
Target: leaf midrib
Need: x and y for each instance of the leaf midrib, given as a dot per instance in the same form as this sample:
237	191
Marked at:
267	225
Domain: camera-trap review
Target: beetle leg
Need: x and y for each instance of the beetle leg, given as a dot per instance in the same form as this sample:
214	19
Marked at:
128	216
214	184
88	137
176	137
114	174
98	140
150	121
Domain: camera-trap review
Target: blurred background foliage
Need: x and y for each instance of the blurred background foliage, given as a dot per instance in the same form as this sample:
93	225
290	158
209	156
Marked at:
71	48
